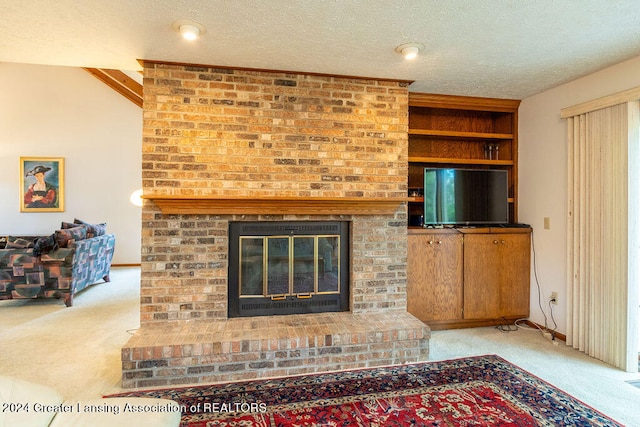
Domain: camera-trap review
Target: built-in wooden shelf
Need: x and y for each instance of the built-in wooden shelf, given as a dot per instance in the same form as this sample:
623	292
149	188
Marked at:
460	161
223	205
459	134
461	131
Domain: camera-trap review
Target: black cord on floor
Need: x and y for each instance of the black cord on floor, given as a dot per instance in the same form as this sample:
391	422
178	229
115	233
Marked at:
555	325
506	327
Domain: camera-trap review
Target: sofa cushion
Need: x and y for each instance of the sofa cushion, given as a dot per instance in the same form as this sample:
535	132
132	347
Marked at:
17	242
67	235
19	392
44	245
94	230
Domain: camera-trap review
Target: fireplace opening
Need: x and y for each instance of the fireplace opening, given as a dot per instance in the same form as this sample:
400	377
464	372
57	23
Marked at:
291	267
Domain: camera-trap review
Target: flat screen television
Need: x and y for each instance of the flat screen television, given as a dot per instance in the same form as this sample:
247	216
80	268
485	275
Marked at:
465	196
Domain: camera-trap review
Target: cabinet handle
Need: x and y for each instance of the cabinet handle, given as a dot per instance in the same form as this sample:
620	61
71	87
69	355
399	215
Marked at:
502	241
439	242
495	242
431	242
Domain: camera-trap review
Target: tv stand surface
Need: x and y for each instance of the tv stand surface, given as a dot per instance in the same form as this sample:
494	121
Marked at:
515	225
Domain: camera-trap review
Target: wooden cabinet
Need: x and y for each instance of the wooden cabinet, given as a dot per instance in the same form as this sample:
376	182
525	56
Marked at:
435	262
497	274
458	131
468	277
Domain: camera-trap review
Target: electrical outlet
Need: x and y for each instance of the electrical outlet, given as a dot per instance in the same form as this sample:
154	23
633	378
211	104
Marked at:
554	298
547	223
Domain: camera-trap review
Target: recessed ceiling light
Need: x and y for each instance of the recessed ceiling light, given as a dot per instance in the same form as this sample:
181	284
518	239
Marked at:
189	30
410	50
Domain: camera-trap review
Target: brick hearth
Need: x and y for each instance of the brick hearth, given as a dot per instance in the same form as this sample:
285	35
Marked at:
214	132
247	348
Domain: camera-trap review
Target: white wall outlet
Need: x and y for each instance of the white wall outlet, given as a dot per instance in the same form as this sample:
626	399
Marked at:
554	298
547	223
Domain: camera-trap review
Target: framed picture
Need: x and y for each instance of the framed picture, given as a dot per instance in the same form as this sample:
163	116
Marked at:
41	184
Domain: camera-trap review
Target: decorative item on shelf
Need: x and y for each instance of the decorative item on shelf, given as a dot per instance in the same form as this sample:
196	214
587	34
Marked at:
415	192
491	151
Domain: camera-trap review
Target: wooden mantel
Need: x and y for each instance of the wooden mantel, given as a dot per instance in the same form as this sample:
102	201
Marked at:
224	205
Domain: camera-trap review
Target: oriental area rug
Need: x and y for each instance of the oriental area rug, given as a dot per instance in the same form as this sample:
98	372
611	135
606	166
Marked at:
474	391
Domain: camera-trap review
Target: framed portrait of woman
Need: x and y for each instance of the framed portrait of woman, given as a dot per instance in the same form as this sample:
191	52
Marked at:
41	184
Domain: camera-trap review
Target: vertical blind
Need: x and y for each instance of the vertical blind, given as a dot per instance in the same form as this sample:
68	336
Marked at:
602	305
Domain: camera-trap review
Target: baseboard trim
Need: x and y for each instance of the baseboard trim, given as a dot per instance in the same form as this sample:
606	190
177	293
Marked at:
557	335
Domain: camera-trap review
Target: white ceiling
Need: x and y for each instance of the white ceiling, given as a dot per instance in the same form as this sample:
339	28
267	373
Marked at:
493	48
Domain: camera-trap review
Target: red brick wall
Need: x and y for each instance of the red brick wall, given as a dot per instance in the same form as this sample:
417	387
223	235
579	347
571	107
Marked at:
209	131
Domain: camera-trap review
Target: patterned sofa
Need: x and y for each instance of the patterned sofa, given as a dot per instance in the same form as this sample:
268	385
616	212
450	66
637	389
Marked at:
59	273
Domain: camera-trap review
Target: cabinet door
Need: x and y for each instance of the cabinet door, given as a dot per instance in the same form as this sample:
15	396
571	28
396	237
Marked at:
496	272
434	276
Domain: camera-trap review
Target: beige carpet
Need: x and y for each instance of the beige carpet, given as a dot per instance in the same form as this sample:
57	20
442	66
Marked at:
77	350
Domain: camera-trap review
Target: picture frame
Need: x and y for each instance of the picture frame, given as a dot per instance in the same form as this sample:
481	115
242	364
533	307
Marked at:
41	184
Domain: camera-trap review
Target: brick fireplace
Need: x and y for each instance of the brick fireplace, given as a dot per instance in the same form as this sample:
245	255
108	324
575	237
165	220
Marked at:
225	145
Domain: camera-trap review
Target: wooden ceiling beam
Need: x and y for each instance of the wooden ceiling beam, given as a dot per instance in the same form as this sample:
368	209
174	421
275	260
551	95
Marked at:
120	82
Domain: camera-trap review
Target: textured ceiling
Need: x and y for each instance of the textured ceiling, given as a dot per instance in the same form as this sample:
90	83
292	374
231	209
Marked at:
493	48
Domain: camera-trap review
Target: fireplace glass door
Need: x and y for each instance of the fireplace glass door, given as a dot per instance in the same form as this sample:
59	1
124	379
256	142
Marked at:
286	268
280	266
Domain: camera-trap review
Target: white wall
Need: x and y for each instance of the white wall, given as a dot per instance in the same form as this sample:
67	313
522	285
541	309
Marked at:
48	111
543	175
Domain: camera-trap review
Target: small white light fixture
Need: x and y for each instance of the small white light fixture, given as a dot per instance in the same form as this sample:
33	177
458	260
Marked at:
409	50
189	30
136	197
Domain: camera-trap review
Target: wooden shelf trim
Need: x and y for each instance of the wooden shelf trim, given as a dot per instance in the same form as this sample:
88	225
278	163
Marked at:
460	161
459	134
463	102
221	205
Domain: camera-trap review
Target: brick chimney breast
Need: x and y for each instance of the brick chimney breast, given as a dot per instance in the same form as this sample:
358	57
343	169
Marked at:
215	132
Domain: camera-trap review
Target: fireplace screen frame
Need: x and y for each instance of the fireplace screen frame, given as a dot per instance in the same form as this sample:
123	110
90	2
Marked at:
260	301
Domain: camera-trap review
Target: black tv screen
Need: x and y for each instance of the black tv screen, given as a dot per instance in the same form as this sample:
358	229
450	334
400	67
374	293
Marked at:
465	196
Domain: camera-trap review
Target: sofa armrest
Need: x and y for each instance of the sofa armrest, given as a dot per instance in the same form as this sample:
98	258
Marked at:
20	396
79	250
62	256
93	245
